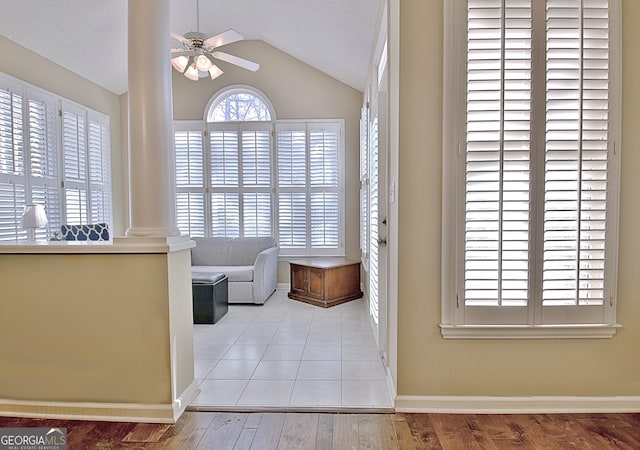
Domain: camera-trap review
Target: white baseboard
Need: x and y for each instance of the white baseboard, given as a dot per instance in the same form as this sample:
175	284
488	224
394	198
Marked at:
391	386
283	286
110	412
515	405
180	404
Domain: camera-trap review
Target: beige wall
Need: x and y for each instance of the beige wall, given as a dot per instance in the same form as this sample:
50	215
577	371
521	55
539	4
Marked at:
297	91
429	365
28	66
89	340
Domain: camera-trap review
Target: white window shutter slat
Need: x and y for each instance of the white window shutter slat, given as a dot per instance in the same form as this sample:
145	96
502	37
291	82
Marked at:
12	203
190	213
74	145
256	158
292	157
576	166
11	133
292	220
224	154
189	154
364	188
257	213
225	214
77	207
498	153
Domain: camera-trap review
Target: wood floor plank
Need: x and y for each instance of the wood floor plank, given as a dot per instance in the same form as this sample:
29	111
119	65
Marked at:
422	431
147	432
324	439
253	421
536	433
299	432
406	440
245	439
608	431
367	432
186	433
480	433
345	432
103	435
504	432
453	432
269	430
566	431
375	431
223	432
386	432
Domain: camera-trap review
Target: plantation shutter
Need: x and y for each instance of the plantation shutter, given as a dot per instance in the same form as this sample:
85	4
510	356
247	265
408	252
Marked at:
292	179
54	153
374	295
12	181
309	187
538	162
240	156
43	160
324	188
364	185
74	145
577	157
498	156
99	169
256	182
190	181
225	182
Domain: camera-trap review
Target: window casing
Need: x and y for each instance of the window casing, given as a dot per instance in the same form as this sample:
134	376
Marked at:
262	178
52	152
531	163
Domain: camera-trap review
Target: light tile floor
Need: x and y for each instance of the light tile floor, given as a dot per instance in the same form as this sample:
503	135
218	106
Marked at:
287	353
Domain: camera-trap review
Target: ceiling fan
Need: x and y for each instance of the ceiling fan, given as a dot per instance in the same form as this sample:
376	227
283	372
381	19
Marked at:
195	58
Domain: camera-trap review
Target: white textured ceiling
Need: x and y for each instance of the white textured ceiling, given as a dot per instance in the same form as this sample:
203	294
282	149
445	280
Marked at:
89	37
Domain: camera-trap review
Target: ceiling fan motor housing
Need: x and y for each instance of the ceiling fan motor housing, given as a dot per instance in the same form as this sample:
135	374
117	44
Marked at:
195	41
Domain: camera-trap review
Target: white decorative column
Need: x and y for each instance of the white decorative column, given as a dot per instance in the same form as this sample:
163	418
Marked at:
151	177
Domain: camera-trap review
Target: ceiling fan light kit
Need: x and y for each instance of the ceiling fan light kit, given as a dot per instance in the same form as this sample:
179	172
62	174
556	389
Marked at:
195	58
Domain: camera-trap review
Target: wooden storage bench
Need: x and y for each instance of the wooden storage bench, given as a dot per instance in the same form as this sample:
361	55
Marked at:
325	281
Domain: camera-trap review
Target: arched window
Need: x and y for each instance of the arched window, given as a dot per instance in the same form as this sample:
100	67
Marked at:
240	104
245	174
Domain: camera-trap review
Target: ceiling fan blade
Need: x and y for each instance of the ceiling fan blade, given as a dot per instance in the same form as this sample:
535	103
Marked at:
181	52
224	38
178	37
244	63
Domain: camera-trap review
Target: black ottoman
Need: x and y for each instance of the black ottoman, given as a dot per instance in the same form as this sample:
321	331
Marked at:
210	296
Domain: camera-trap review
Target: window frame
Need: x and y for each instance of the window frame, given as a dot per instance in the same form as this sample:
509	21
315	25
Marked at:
272	126
54	182
454	110
310	125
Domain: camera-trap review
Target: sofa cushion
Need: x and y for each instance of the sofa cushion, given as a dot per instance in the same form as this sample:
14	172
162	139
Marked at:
211	251
233	273
244	251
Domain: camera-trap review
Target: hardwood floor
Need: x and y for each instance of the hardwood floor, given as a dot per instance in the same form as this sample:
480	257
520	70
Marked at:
299	431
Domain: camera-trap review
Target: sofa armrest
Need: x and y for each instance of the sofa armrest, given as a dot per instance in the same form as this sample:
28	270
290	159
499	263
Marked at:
265	274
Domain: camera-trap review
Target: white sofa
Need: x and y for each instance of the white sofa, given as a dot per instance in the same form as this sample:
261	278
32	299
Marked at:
250	264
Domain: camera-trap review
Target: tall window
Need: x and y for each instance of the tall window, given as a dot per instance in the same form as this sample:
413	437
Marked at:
244	174
309	187
54	153
534	156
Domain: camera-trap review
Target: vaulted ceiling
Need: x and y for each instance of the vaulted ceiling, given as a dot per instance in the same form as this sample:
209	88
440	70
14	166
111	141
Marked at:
89	37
